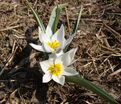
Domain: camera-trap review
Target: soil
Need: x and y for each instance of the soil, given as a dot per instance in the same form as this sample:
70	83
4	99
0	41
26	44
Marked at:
98	57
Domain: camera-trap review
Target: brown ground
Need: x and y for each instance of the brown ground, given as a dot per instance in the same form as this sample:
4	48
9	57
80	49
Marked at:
99	52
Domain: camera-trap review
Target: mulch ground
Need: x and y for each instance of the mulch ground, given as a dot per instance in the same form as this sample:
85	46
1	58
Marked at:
98	57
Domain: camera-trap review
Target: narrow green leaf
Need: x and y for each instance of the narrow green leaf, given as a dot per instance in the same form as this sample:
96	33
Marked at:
36	16
54	18
75	27
90	86
77	22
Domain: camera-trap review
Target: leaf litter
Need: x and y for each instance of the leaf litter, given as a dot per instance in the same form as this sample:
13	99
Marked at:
98	57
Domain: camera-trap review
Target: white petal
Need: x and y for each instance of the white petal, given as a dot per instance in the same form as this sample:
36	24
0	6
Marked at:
62	40
59	35
60	80
70	71
49	31
55	36
45	65
46	77
43	37
68	57
37	47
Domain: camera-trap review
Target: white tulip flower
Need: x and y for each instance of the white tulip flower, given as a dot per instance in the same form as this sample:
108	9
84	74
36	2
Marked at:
52	42
57	68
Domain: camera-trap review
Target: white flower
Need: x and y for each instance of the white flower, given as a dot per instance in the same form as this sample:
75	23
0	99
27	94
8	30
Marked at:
52	42
57	68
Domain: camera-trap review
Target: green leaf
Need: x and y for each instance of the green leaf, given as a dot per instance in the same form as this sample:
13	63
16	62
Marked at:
54	18
90	86
36	16
75	27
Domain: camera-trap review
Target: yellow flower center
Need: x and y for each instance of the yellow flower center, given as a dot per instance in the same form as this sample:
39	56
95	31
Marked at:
55	69
53	44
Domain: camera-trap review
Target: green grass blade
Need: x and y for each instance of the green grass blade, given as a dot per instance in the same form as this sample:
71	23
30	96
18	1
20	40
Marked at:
75	27
36	16
54	18
90	86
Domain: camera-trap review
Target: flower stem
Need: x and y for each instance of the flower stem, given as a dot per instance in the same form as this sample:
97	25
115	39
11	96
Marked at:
90	86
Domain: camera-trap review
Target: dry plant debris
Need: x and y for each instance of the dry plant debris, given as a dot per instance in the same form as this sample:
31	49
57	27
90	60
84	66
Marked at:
98	57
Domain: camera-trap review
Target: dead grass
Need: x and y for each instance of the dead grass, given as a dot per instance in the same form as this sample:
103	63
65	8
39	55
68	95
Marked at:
99	50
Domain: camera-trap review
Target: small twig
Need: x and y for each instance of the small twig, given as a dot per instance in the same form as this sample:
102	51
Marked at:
14	49
105	60
114	33
104	73
105	40
116	72
69	29
109	49
18	32
87	102
8	80
3	100
93	61
35	3
111	67
117	54
114	13
19	37
87	64
22	99
14	22
9	28
1	72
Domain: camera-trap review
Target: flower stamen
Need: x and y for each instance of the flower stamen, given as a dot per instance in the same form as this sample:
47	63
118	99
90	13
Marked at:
55	69
53	44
